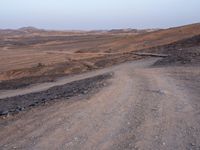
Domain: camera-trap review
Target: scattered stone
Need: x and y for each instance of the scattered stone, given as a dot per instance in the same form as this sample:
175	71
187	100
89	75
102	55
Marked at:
154	109
22	108
85	92
192	144
4	113
76	139
33	104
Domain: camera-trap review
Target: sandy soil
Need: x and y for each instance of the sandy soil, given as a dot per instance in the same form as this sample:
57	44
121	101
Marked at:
143	108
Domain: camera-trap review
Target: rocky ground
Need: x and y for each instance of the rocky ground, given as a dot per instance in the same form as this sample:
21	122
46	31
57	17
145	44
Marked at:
143	107
23	102
184	52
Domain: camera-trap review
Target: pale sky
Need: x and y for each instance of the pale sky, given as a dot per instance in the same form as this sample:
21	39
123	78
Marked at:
98	14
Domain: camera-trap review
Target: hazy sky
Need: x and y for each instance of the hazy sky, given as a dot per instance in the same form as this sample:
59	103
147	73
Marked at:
98	14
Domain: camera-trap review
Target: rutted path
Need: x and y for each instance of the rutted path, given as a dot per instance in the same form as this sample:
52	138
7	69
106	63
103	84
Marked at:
143	108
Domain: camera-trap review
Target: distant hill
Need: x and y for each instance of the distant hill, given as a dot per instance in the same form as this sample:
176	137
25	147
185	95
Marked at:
29	29
129	30
20	31
32	30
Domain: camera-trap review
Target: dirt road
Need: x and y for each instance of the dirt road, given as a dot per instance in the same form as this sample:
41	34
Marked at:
143	108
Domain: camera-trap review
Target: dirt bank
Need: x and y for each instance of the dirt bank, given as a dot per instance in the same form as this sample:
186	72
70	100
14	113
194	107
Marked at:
20	103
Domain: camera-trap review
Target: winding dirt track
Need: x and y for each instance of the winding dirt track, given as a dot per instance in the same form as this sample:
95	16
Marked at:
143	108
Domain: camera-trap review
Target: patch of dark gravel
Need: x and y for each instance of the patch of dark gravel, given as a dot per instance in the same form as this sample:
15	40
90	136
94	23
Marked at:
26	81
184	56
183	52
16	104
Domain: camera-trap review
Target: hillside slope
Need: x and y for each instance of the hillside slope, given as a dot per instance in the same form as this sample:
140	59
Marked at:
51	54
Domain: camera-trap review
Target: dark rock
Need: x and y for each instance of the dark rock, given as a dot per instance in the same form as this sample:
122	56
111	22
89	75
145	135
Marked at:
31	105
66	91
85	92
3	113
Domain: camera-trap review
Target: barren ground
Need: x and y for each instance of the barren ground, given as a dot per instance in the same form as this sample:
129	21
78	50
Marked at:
142	108
118	103
40	56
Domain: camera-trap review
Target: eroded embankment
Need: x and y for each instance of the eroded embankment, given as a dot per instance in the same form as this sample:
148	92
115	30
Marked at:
19	103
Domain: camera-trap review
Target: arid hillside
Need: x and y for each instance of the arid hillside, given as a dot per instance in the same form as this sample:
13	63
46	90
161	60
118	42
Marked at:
30	52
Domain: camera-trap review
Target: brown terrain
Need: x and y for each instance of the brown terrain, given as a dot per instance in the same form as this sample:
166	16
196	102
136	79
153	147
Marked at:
118	89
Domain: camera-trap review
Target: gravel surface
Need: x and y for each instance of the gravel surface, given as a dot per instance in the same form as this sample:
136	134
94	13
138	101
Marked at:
22	102
143	107
184	52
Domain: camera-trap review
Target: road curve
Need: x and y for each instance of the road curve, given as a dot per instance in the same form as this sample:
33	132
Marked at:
144	108
64	80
